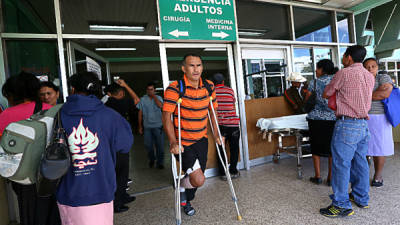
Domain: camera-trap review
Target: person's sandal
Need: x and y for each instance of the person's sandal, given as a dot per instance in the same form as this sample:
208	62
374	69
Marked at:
377	183
328	183
316	180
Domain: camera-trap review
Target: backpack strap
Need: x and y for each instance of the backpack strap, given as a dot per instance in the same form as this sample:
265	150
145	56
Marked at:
207	86
181	88
38	107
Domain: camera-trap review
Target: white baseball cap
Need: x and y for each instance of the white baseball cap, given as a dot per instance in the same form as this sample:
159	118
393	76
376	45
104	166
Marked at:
296	77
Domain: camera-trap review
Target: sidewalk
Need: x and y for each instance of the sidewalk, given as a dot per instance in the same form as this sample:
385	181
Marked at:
270	194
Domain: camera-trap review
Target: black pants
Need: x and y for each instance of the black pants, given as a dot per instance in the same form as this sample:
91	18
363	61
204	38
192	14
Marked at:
122	176
232	136
196	151
47	211
34	210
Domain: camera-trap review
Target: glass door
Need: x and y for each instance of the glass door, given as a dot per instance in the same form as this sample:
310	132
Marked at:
83	59
217	58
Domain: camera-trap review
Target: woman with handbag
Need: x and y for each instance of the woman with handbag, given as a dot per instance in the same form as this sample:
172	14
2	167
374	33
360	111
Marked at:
321	119
95	134
381	141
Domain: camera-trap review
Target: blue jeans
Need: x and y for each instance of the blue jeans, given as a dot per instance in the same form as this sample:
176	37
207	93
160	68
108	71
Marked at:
154	136
349	150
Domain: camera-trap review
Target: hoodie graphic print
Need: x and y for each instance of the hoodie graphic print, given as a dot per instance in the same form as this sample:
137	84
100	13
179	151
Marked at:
82	145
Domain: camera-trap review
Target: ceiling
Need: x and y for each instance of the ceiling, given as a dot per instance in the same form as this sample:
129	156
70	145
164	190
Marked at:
77	15
341	4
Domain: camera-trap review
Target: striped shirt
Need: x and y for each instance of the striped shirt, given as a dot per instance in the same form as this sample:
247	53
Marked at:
194	108
226	106
353	86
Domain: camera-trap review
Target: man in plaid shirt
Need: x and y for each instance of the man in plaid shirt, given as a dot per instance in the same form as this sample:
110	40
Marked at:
353	87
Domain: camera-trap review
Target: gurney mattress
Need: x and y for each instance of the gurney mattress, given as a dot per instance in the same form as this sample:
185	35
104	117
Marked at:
283	122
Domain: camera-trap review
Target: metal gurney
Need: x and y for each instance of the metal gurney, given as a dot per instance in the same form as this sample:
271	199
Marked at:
286	126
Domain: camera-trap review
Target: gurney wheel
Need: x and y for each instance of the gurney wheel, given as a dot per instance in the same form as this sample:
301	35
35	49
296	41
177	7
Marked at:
276	158
299	174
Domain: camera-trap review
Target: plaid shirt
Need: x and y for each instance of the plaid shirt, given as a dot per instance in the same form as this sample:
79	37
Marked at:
353	86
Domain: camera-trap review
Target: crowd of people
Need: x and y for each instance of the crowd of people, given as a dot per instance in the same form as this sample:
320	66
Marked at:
352	133
95	121
100	139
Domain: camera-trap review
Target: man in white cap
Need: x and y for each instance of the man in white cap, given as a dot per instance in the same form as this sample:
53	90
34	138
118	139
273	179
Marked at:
292	95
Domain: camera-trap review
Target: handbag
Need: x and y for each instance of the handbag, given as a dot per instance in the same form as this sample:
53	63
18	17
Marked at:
55	162
312	100
332	102
392	106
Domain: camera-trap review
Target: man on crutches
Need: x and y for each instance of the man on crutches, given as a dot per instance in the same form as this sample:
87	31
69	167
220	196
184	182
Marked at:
194	105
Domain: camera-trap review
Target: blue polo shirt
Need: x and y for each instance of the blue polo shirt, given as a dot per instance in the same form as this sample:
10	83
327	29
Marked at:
152	115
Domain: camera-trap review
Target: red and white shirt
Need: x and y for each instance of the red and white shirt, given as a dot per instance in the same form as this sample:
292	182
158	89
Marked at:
353	86
226	111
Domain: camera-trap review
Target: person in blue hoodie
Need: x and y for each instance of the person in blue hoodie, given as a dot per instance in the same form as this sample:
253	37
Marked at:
95	134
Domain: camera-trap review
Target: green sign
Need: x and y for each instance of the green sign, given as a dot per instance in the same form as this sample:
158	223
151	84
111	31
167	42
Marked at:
198	19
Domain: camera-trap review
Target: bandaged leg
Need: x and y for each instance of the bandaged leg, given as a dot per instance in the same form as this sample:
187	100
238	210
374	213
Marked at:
186	181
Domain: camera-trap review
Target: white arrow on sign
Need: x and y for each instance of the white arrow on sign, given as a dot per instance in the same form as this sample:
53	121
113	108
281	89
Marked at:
221	34
177	33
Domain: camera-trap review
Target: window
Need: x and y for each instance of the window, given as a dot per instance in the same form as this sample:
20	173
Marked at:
265	77
109	17
303	62
312	25
342	51
37	57
392	68
264	72
343	28
306	57
262	20
28	16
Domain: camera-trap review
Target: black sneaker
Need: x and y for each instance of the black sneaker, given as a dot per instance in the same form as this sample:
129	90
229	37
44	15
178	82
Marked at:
334	211
351	198
151	164
120	209
235	175
377	183
160	167
188	209
129	182
129	199
316	180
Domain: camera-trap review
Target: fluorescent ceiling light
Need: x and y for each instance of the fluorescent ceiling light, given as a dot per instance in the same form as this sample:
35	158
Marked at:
115	49
251	32
214	49
115	28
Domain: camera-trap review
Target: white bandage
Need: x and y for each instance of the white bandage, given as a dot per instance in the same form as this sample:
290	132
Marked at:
186	183
196	166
